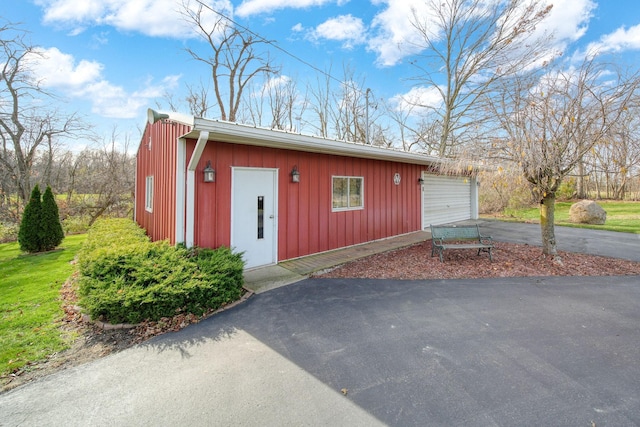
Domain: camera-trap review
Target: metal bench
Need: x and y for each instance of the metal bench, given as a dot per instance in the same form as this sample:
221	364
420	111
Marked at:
459	237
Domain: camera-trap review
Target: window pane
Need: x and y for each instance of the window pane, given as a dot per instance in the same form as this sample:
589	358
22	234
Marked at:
355	192
340	193
148	202
260	217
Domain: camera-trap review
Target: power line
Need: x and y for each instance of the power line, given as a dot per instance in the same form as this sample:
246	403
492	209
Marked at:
286	52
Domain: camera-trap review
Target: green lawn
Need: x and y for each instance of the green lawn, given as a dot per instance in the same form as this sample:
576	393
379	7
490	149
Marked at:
621	216
30	305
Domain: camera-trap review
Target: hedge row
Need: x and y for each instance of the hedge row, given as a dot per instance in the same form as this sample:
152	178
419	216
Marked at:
126	278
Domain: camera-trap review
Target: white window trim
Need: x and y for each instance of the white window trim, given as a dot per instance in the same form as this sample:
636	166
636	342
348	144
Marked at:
148	194
348	208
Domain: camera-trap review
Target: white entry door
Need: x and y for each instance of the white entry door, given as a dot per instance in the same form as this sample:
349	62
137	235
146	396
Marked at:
254	201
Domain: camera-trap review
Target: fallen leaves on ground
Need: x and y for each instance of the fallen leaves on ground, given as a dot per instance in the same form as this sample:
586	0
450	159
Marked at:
509	260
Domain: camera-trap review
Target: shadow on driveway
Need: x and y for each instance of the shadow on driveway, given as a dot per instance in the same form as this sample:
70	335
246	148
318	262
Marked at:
525	351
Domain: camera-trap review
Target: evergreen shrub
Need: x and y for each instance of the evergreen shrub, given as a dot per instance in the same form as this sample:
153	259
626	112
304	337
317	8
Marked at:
51	234
127	278
29	232
40	227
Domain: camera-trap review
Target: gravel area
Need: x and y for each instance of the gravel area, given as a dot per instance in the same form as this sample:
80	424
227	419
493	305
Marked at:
509	260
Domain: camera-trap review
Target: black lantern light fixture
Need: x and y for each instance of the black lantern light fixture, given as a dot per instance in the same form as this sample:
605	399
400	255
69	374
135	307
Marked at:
295	175
420	180
209	173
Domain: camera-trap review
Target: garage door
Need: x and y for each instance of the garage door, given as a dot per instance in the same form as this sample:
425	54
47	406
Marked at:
445	199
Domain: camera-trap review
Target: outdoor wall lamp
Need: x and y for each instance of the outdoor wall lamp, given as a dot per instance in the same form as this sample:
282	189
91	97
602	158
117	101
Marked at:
209	173
295	175
420	180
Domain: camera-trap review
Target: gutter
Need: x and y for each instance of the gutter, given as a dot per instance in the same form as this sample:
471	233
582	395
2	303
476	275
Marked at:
190	205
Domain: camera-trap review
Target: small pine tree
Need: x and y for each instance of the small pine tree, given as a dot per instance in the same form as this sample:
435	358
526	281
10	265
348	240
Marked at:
51	234
29	232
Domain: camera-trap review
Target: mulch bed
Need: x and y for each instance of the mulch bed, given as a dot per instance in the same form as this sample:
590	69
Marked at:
509	260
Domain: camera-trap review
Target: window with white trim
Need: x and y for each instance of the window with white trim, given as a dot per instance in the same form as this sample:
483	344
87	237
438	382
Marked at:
148	195
347	193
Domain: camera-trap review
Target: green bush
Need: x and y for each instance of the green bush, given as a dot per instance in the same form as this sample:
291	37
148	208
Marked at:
567	190
40	228
29	233
51	234
76	224
127	278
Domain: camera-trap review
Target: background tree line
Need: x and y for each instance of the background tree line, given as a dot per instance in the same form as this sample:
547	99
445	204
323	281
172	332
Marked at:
87	184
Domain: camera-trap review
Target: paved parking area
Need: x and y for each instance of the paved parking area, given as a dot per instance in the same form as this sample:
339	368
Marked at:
534	351
579	240
499	352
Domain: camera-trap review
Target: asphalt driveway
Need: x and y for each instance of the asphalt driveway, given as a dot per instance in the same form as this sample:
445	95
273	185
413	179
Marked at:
506	352
570	239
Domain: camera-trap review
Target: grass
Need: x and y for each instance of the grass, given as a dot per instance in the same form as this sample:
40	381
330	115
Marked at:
621	216
30	305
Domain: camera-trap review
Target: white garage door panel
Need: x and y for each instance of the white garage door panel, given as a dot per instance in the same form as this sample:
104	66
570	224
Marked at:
446	199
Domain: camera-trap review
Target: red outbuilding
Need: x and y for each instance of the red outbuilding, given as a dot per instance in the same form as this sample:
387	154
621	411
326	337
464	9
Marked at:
278	195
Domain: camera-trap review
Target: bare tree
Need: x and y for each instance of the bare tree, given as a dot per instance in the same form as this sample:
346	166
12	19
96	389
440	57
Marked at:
284	103
104	179
26	122
354	109
198	100
233	61
255	105
320	103
613	161
550	123
469	45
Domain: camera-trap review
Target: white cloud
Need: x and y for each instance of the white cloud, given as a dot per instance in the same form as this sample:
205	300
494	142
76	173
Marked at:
568	21
417	100
156	18
57	11
620	40
276	82
396	38
345	28
254	7
59	71
114	101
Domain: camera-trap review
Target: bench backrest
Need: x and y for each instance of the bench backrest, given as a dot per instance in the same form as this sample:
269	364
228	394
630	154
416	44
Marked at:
459	232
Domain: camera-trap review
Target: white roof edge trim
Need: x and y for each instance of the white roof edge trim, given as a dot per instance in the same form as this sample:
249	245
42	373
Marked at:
173	116
251	135
185	119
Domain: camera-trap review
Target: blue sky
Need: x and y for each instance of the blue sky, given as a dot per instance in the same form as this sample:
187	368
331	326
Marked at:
112	59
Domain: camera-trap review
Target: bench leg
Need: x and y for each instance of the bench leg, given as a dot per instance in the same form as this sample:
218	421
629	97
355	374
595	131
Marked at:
485	250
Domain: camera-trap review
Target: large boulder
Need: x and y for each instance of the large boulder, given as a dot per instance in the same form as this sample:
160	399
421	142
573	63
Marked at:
587	212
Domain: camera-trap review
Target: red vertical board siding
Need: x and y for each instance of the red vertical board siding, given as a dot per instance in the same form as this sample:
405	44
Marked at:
306	223
304	216
158	161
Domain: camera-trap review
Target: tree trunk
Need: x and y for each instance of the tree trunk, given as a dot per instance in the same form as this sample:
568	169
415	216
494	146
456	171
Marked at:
580	191
547	226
